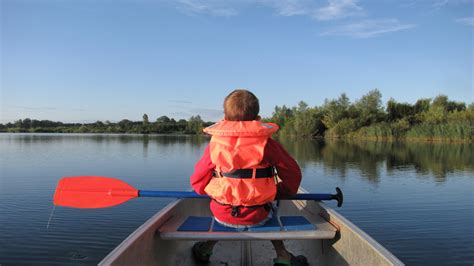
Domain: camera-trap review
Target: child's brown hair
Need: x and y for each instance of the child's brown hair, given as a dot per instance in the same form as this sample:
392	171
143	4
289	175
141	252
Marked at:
241	105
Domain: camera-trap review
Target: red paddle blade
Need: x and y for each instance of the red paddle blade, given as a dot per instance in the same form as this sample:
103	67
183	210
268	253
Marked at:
92	192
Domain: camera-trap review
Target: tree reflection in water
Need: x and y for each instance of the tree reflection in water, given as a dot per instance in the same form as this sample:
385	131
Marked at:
371	157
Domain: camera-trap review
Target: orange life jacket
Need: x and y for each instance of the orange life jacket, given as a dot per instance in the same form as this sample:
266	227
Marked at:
236	148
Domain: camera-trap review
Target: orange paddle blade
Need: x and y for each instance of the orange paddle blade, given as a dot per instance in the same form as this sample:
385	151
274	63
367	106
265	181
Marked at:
92	192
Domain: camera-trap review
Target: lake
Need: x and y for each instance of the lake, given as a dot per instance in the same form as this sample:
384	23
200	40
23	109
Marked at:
416	199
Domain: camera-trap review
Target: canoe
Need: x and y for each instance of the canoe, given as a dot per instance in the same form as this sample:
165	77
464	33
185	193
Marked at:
330	239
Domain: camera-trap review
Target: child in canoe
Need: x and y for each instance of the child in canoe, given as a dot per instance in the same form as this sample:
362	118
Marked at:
237	170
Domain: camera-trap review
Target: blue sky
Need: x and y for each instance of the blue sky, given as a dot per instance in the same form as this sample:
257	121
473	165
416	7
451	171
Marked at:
82	61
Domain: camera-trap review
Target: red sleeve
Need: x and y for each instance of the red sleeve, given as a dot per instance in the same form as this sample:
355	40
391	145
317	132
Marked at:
287	168
202	172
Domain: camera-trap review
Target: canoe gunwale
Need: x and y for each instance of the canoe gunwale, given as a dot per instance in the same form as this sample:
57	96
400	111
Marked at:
336	218
345	232
155	221
280	235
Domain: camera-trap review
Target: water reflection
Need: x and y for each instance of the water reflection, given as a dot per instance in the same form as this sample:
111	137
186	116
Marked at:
435	160
164	140
370	157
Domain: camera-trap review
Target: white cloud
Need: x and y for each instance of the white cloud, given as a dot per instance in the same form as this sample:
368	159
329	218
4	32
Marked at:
368	28
289	7
330	10
468	21
206	114
337	9
440	3
180	101
214	8
32	108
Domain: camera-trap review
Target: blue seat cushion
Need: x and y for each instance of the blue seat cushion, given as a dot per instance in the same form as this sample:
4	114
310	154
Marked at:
296	223
288	223
196	224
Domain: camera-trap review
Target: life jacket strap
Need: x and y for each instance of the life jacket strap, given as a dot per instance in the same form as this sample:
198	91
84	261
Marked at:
236	209
247	173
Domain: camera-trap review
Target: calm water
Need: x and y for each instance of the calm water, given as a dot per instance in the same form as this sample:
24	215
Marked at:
416	199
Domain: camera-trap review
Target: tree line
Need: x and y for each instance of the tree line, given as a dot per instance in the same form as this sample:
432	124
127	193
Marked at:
162	125
429	119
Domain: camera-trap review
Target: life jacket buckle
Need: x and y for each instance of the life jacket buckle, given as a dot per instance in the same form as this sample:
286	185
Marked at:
216	173
268	207
235	211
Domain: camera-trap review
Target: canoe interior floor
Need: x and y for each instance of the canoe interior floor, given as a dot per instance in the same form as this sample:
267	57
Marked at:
248	252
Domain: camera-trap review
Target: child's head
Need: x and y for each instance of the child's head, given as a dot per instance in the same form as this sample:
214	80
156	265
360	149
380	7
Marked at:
241	105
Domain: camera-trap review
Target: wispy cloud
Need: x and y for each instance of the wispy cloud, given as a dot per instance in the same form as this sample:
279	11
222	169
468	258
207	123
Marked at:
214	8
337	9
180	101
440	3
329	10
41	108
368	28
323	11
32	108
205	113
468	21
288	7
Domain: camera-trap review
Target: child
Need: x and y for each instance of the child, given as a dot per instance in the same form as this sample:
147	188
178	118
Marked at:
237	172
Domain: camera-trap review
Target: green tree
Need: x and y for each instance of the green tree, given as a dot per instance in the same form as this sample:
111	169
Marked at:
440	101
125	125
195	125
26	123
396	111
370	108
302	107
422	105
145	125
335	110
437	112
145	120
99	124
455	106
344	127
281	115
307	121
163	119
18	123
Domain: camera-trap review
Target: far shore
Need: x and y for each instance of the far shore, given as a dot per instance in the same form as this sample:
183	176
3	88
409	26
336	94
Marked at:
317	138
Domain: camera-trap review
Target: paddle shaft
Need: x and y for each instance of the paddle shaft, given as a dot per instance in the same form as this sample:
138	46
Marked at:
192	194
170	194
